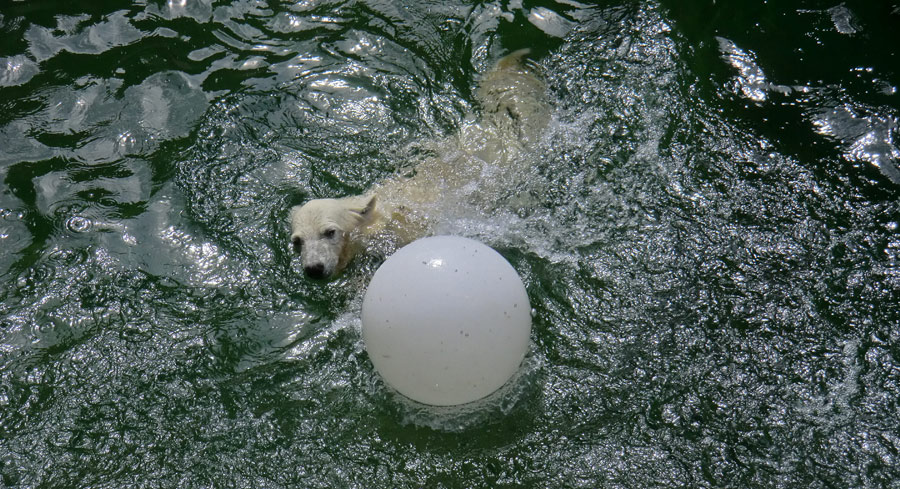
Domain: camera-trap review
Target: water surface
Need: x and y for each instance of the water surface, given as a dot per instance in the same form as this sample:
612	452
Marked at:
708	232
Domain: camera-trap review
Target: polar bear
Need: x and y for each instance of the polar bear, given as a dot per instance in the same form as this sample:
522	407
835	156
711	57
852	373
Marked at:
327	233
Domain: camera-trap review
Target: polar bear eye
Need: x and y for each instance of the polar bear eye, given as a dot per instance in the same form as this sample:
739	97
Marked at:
298	244
329	233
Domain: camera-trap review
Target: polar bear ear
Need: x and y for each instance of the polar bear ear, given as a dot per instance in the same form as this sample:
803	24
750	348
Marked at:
370	206
364	210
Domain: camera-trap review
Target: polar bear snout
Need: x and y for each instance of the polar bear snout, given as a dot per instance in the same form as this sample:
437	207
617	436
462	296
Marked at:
315	271
319	257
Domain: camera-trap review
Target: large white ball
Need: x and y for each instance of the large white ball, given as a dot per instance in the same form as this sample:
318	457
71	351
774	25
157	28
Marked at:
446	320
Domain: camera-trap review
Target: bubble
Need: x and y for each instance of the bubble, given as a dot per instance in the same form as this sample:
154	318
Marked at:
79	224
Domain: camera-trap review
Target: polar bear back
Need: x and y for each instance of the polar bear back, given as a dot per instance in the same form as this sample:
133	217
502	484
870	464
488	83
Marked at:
487	153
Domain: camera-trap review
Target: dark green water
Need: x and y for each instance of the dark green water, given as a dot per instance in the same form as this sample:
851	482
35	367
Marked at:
708	234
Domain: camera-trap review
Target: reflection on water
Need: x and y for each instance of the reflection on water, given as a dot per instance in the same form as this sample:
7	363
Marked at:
865	138
707	231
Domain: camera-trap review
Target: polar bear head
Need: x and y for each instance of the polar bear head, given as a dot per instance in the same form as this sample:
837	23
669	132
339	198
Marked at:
323	231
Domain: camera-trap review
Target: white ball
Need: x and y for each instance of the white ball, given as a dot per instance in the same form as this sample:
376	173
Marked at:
446	320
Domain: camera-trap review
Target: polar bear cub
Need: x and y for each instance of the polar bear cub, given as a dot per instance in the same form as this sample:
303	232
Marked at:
327	233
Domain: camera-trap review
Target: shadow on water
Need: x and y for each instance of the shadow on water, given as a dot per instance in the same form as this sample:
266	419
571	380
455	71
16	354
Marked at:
708	233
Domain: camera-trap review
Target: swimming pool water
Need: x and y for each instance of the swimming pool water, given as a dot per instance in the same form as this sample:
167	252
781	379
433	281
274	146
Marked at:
708	233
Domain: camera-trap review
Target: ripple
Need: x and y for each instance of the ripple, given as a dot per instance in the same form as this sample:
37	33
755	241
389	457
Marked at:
199	10
287	22
844	20
16	70
72	36
867	136
550	22
35	277
751	81
79	224
866	133
513	396
101	188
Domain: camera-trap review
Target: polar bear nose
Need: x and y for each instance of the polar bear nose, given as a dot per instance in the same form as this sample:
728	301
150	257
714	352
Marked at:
316	270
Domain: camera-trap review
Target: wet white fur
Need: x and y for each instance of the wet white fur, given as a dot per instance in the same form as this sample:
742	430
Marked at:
328	232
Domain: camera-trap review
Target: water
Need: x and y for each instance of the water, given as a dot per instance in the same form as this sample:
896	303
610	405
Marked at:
708	232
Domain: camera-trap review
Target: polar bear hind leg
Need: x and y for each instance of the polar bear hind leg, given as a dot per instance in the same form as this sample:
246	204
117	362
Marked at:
514	99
